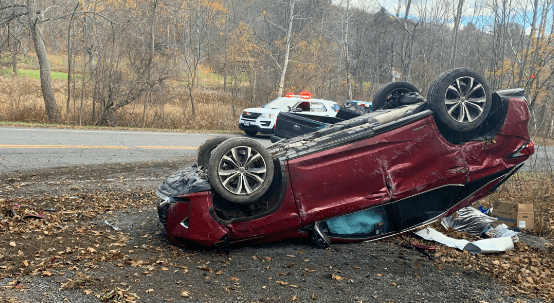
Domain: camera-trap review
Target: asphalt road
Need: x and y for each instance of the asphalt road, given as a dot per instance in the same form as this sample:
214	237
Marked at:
23	149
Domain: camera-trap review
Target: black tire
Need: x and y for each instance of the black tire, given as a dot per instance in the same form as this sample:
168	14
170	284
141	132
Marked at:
205	150
460	99
389	95
240	161
250	132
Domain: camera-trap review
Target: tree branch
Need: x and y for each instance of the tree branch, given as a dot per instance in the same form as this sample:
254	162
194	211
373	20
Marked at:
80	13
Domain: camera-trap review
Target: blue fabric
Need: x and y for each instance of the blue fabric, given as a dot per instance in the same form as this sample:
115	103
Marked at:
357	223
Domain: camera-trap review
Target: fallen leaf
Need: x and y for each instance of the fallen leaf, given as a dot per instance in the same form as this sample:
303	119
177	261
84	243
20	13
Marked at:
149	291
294	298
12	244
185	294
165	268
88	291
337	277
282	282
235	279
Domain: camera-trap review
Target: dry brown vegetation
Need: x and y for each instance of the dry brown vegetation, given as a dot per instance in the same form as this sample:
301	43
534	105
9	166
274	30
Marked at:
21	100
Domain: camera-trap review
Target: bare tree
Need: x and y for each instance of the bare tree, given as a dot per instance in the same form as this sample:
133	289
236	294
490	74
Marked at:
34	16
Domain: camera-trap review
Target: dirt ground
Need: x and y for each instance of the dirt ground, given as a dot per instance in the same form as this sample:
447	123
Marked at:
100	240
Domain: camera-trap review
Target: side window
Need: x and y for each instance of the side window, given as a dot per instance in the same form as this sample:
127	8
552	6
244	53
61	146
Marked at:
335	107
304	106
318	107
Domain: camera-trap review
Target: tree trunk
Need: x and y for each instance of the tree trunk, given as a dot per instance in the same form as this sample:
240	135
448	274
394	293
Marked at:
403	59
456	31
348	84
533	24
69	65
150	59
14	44
45	81
287	51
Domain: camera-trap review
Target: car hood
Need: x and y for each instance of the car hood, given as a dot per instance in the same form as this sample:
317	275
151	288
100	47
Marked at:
262	110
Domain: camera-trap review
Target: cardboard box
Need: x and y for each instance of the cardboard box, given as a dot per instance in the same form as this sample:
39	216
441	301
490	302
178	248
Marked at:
514	215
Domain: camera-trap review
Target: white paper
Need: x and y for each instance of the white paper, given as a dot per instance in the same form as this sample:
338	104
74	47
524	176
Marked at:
431	234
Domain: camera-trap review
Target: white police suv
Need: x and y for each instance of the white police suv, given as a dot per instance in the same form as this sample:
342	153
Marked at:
254	120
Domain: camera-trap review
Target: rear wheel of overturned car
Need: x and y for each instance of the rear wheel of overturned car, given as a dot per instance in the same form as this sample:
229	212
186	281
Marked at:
460	99
240	170
205	150
389	95
250	132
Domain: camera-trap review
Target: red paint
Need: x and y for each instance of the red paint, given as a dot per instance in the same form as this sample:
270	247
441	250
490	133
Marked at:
202	228
388	167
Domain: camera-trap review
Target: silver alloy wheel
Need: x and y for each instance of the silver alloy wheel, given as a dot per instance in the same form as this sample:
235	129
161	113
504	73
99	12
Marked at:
242	170
465	99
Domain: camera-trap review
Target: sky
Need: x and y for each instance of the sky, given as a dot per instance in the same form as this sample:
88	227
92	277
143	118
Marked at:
478	12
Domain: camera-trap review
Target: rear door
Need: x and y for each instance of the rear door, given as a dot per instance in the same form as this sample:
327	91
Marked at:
393	166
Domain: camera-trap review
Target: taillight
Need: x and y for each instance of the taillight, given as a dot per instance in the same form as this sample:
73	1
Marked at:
526	150
289	95
275	125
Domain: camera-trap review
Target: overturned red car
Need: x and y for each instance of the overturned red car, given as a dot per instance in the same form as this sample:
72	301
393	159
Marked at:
399	167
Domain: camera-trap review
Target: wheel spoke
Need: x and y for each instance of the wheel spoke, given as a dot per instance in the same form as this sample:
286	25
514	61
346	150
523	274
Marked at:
454	89
249	161
469	87
477	100
476	106
227	159
452	101
235	156
474	89
226	172
247	187
451	109
463	112
257	178
238	189
228	179
248	154
459	85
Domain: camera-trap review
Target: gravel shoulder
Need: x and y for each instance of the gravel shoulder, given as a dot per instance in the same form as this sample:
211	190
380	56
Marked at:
75	253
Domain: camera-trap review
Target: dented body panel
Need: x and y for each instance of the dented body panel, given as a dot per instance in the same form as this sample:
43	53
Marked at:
402	173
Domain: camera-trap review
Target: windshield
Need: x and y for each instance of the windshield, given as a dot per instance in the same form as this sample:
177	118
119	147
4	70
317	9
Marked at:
281	103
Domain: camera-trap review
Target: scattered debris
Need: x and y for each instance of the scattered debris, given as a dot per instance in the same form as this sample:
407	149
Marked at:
468	219
485	246
111	225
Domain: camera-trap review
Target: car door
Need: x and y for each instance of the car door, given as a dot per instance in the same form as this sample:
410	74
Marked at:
393	166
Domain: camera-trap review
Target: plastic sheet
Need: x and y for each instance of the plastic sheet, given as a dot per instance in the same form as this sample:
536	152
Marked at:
189	180
485	246
369	221
469	220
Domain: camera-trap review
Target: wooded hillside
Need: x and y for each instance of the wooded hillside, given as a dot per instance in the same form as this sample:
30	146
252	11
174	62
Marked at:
149	53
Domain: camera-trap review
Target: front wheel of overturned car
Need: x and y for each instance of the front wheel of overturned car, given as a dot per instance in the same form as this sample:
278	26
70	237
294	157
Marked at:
389	95
205	150
460	99
240	170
